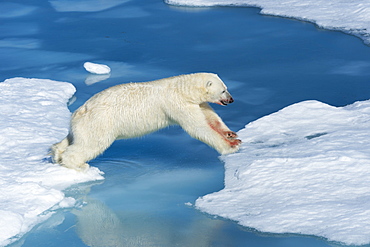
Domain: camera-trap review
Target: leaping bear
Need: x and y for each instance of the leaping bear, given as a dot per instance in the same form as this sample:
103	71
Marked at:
135	109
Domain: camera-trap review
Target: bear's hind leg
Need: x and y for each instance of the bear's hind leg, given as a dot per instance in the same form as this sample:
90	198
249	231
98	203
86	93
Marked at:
58	149
75	158
83	150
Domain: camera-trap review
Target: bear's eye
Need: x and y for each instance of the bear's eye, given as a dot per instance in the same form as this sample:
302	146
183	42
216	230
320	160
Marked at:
223	91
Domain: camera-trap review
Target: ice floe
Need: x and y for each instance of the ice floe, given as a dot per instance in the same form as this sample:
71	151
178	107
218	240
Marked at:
305	170
33	116
349	16
95	68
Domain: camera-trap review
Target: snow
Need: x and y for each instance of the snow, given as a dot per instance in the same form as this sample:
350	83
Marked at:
95	68
33	115
305	170
352	17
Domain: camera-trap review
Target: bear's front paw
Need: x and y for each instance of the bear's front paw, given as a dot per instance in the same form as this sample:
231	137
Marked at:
235	142
230	134
233	146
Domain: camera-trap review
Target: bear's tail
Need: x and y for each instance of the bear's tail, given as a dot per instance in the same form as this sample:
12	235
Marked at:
58	149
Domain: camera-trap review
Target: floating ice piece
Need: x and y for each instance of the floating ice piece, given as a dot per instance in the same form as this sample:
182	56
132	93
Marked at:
34	115
96	68
305	170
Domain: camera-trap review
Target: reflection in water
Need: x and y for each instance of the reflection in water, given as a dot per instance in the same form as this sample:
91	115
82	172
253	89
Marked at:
92	79
20	43
11	10
99	226
84	5
353	68
126	12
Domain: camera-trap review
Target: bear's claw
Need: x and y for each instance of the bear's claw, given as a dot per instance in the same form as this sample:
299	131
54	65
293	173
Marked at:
231	134
235	142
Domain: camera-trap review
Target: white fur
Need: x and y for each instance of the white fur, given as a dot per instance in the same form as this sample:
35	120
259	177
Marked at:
135	109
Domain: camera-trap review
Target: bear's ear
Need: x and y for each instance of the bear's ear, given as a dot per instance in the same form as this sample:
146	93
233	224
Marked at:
209	83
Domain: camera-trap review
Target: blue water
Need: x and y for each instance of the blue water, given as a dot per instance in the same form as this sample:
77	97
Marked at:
151	183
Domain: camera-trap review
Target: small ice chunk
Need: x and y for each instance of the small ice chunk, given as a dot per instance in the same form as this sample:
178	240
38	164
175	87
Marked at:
67	202
96	68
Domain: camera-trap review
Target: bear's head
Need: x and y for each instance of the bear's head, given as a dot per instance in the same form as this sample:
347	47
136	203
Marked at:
216	91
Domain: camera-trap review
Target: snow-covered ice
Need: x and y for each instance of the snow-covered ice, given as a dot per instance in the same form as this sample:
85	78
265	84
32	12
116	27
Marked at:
96	68
33	116
352	17
304	169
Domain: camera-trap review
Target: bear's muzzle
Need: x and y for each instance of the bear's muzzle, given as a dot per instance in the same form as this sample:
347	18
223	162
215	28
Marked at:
226	101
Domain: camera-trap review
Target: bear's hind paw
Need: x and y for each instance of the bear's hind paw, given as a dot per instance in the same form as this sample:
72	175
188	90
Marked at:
80	168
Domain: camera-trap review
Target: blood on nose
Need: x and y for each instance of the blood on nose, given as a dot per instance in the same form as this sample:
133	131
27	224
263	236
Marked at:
231	100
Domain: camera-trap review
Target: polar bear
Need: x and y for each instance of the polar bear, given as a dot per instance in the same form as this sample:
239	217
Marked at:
135	109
